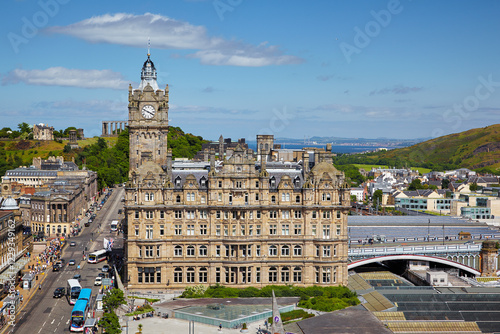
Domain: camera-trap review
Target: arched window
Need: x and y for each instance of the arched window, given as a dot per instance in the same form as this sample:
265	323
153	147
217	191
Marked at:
297	199
297	251
203	275
203	251
190	251
273	275
178	275
285	251
285	274
59	229
273	250
178	199
273	199
190	275
178	250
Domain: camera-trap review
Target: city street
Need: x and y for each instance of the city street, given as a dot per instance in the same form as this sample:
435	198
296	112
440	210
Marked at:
45	314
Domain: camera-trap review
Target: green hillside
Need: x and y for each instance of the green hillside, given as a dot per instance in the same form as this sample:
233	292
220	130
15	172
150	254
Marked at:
477	149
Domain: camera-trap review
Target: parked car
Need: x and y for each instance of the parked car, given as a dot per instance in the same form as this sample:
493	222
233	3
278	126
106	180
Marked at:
72	244
105	268
98	280
59	292
78	277
71	262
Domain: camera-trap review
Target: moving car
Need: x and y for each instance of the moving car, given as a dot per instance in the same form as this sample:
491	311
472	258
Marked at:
77	277
72	244
105	268
59	292
98	280
71	262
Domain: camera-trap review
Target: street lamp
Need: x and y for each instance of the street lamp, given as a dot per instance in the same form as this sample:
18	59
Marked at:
429	231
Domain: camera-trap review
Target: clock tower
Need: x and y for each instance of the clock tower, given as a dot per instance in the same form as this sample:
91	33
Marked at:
148	120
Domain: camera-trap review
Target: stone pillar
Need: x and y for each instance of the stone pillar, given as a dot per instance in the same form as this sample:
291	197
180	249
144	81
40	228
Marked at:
489	258
205	155
306	163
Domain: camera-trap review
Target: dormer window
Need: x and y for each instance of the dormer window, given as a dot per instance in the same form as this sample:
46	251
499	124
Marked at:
272	182
177	181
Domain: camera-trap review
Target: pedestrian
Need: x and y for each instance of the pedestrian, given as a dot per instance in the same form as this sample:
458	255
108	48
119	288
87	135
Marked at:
265	323
220	327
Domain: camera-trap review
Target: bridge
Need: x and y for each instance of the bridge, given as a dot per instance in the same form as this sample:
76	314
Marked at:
461	256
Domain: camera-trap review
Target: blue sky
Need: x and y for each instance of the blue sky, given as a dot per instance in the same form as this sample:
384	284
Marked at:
397	69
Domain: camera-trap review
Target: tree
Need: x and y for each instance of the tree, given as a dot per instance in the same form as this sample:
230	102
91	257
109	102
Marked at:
473	186
109	321
67	148
113	299
415	184
24	128
377	197
445	183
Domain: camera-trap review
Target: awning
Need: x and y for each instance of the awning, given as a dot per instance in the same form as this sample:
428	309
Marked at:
12	270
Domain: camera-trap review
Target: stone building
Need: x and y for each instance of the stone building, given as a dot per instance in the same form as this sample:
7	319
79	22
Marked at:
43	132
237	222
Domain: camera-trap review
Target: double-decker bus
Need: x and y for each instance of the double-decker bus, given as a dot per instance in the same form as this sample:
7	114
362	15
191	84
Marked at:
98	256
73	291
78	315
85	294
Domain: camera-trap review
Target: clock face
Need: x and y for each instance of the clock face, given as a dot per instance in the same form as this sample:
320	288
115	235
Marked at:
148	111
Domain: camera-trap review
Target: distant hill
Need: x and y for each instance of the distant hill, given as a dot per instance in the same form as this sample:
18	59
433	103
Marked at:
477	149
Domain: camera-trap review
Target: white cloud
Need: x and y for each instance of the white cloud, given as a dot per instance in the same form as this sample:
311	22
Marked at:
168	33
60	76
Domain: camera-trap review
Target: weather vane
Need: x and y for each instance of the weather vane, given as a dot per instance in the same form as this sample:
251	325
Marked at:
149	46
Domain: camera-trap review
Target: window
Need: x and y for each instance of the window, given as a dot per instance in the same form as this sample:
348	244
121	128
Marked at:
258	215
230	198
178	214
273	199
257	229
149	275
178	229
190	251
203	199
136	231
285	251
217	250
285	274
313	215
297	214
203	251
335	274
149	197
257	275
203	275
149	215
250	229
285	229
203	229
297	251
178	251
285	214
178	199
226	214
190	229
313	229
273	229
158	251
273	250
335	250
317	250
273	214
326	275
190	275
149	231
203	214
217	229
257	250
140	251
326	197
226	230
246	198
190	214
162	214
136	215
233	230
257	196
297	199
297	274
297	229
326	251
235	215
256	184
217	214
238	184
273	275
220	184
339	214
326	231
326	214
338	230
219	197
217	275
177	275
242	229
162	229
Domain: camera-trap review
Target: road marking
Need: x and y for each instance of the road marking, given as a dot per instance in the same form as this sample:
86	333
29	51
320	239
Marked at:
53	321
67	322
58	324
62	317
40	330
44	323
55	330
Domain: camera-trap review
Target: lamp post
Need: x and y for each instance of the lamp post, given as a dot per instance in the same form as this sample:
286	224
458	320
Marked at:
429	231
